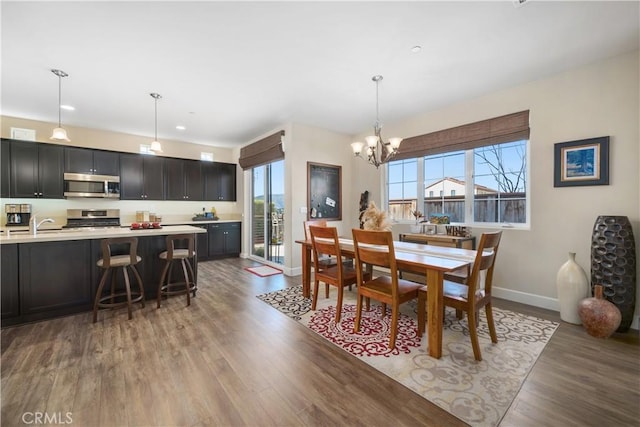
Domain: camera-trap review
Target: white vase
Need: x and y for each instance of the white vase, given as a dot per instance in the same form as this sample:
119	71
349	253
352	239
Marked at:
573	287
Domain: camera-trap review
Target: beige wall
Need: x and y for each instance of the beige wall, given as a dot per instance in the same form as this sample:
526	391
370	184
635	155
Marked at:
596	100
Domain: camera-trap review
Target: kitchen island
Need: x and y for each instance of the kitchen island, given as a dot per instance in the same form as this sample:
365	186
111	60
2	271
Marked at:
54	272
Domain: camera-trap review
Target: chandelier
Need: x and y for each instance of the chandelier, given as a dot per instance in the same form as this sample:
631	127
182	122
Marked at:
155	145
378	151
59	133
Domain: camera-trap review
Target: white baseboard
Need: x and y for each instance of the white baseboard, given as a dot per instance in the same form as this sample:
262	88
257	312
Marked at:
540	301
526	298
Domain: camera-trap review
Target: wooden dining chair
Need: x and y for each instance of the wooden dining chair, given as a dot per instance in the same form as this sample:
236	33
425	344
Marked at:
324	261
375	248
470	297
327	246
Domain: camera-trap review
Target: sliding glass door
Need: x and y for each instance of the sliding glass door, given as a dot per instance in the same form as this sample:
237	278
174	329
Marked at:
267	212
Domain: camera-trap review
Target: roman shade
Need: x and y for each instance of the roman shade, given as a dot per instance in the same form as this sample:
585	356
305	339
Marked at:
261	152
512	127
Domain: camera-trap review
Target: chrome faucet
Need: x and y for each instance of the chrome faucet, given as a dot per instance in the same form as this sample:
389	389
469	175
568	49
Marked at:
34	225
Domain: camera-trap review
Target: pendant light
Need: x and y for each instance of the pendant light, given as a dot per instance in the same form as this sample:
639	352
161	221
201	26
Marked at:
59	134
378	151
156	147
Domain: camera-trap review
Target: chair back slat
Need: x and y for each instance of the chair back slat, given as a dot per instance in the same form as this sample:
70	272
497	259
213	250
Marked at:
180	239
315	222
375	248
326	245
106	245
325	240
489	242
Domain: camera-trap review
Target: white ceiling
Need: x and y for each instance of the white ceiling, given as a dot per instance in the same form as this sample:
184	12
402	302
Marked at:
231	71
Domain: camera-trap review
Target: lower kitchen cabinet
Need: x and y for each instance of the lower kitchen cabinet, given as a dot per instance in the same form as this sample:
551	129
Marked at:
224	240
202	243
50	279
55	278
9	281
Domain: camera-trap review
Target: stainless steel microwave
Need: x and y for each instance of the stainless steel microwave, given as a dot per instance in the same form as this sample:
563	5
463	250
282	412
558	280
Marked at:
87	185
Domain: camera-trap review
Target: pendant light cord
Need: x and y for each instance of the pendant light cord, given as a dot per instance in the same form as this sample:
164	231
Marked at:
156	121
59	101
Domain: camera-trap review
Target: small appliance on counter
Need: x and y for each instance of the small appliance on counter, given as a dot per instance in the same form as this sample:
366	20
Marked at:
18	214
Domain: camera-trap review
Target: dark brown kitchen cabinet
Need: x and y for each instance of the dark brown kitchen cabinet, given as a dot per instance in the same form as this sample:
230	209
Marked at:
36	170
219	181
88	161
55	278
5	167
183	179
141	177
224	240
9	281
202	243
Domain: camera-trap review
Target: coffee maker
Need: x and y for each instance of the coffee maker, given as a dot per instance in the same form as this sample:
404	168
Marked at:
18	214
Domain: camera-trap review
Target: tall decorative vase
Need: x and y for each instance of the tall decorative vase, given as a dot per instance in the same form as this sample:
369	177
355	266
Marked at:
573	287
613	264
600	317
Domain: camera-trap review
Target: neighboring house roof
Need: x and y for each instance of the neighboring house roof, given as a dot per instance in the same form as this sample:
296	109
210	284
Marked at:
476	187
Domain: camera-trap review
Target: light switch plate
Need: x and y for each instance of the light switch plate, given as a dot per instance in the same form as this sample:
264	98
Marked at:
303	209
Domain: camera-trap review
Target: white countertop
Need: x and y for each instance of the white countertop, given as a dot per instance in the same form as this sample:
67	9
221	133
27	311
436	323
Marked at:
19	236
191	222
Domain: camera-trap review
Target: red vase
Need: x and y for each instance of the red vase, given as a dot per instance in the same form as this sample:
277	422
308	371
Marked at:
600	317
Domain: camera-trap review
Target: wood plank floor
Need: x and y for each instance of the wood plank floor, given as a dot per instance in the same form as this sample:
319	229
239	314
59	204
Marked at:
231	360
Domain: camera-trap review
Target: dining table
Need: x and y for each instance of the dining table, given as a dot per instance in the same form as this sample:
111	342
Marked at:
431	261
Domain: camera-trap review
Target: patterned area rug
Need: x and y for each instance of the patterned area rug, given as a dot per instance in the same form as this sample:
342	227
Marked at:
479	393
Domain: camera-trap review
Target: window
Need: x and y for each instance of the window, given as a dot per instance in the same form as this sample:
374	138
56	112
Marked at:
402	186
479	185
146	149
500	183
445	173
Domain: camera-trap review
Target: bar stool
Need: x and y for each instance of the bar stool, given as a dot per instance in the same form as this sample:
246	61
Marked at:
188	286
110	263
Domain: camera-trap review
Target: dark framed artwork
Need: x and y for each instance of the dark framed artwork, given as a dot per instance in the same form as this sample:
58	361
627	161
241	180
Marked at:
583	162
324	191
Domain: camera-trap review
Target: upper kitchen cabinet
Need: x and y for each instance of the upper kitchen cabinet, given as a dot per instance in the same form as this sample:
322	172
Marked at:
183	179
94	162
219	181
36	170
141	177
5	167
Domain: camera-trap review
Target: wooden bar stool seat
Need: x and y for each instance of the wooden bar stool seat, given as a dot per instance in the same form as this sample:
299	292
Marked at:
110	263
183	256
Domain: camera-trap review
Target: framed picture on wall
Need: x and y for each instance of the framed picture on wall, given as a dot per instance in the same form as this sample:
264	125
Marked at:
324	191
583	162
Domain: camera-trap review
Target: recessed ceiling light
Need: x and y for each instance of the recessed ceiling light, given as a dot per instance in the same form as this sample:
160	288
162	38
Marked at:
180	127
67	107
416	49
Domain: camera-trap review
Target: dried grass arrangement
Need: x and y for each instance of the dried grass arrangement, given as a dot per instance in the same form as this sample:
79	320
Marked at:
375	219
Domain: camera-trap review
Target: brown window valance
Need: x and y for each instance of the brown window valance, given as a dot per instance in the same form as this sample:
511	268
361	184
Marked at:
512	127
261	152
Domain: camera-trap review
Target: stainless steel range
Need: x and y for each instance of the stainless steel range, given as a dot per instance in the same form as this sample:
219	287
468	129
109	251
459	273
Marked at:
92	218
